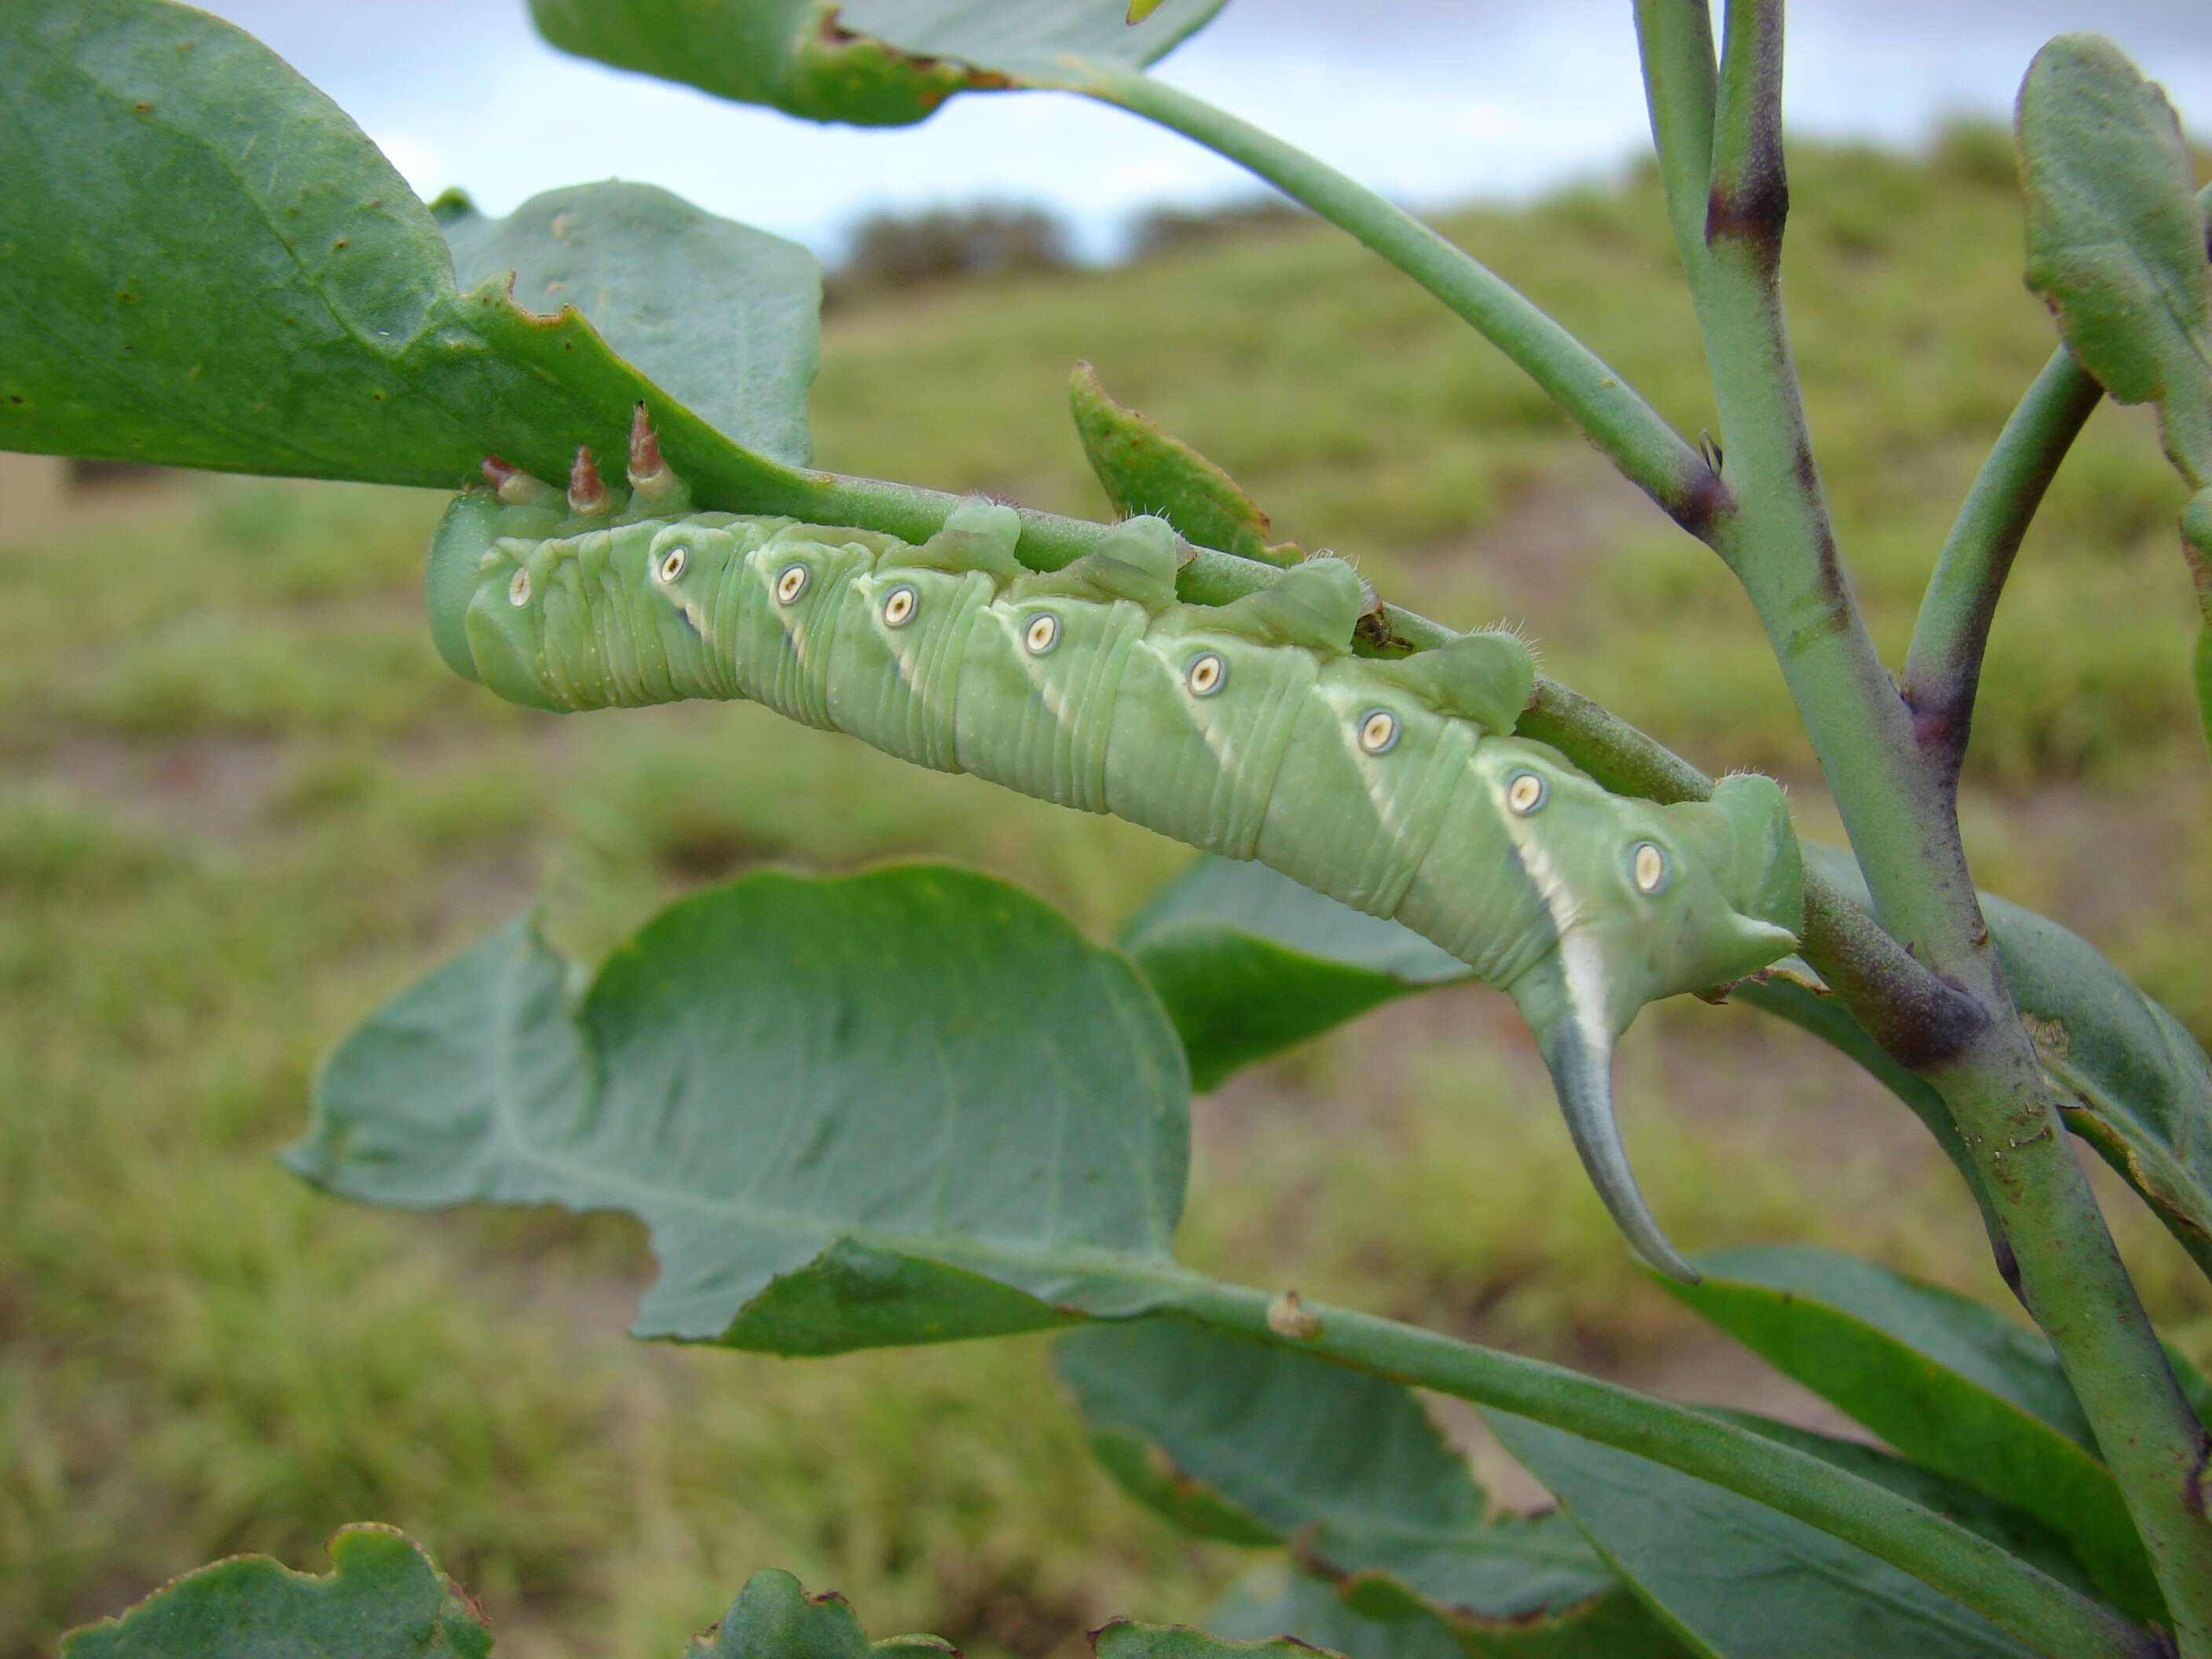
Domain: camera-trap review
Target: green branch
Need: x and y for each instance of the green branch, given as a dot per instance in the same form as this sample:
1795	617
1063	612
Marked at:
1675	40
1614	417
2042	1613
1898	809
1943	669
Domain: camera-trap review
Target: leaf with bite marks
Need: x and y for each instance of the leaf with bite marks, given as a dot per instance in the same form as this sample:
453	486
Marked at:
383	1598
908	1106
1145	470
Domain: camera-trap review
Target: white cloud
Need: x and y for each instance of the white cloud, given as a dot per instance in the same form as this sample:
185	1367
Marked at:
1429	101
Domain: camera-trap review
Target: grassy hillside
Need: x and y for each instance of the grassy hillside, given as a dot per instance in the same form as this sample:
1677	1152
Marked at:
242	802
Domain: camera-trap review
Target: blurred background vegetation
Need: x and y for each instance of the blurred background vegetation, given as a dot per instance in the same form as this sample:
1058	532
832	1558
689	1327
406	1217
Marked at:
241	802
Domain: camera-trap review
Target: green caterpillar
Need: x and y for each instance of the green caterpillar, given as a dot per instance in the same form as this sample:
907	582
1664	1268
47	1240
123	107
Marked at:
1248	729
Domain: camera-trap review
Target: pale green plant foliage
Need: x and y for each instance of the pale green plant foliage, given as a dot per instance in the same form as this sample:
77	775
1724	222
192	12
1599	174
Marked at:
2042	1502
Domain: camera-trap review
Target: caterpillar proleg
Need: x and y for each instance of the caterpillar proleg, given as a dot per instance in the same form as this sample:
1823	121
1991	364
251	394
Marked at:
1247	729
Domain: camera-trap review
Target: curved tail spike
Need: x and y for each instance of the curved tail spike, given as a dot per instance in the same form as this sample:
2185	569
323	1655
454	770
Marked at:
1582	1072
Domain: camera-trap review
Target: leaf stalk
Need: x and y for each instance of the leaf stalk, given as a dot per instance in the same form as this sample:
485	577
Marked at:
1943	669
1612	414
2017	1597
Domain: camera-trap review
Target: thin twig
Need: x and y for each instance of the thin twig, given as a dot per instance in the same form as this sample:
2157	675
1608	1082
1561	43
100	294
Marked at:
1615	417
1943	669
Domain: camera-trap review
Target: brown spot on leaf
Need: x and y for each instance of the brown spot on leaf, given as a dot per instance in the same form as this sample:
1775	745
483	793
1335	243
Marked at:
2051	1038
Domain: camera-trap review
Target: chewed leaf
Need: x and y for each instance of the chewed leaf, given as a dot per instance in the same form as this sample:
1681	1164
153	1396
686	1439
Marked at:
282	304
1270	1602
908	1106
383	1599
1143	469
722	316
1348	1470
774	1618
2116	237
872	63
1125	1639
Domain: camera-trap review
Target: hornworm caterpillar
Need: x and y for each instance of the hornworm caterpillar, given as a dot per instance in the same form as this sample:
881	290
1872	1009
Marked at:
1248	729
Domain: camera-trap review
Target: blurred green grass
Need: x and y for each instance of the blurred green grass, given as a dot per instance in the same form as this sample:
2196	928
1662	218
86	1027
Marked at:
243	802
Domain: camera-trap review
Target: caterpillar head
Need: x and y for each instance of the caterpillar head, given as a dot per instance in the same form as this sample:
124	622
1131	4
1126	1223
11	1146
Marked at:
1646	901
1671	898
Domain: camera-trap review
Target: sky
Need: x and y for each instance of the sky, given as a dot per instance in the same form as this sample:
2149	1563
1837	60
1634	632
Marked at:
1434	102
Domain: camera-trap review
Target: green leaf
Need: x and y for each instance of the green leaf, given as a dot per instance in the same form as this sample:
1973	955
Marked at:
872	63
774	1618
1249	962
1124	1640
1346	1468
1143	470
1948	1382
907	1106
384	1599
2012	1530
2141	1085
203	262
722	316
1736	1579
1312	1610
2116	238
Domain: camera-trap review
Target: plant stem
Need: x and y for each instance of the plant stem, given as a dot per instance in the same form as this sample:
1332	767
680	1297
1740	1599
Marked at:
1675	41
1899	814
1613	417
1944	666
2044	1613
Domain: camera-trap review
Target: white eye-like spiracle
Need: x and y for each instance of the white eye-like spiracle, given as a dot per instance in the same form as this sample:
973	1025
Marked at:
672	563
1649	865
1378	730
1205	674
1526	793
1042	634
518	591
790	583
898	608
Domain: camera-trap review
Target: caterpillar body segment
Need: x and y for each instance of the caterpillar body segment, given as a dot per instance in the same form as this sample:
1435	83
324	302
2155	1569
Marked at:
1248	729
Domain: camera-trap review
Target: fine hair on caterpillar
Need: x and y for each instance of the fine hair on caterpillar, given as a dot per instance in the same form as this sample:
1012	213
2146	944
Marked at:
1248	729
